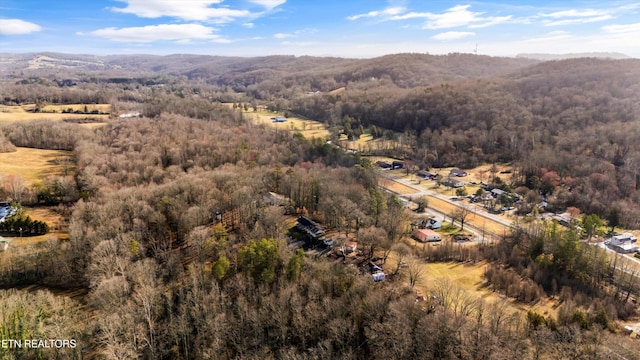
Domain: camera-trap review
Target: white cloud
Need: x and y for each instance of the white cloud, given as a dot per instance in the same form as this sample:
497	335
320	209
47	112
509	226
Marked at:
550	37
584	16
391	11
299	43
453	35
491	21
269	4
622	29
456	16
181	33
249	25
576	13
577	21
296	33
189	10
17	27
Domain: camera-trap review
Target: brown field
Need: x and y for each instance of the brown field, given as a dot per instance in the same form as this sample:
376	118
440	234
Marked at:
470	278
396	187
308	128
35	164
22	112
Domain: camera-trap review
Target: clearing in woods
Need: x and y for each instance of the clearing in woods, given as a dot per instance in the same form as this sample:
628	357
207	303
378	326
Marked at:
33	165
53	112
469	277
308	128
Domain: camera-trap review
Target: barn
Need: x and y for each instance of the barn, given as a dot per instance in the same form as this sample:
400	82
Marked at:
426	235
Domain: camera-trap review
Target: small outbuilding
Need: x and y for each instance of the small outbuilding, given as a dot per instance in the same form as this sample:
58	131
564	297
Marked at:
458	173
497	192
4	244
426	235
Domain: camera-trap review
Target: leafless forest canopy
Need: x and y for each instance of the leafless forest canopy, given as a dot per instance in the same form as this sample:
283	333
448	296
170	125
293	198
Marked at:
162	278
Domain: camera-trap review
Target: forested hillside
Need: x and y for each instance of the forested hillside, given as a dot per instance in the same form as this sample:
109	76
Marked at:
175	249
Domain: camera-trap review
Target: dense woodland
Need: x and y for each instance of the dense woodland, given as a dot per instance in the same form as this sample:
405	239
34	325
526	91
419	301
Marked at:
162	277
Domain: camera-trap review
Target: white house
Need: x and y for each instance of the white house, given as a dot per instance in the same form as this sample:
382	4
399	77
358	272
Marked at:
623	243
433	224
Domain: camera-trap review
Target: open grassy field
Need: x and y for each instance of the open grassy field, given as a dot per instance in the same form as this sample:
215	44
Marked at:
308	128
35	164
469	277
396	187
24	112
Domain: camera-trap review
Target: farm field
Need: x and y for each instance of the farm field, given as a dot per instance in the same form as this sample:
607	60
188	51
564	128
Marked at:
32	165
308	128
23	112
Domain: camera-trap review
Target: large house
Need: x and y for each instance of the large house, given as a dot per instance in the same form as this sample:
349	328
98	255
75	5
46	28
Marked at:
309	227
623	243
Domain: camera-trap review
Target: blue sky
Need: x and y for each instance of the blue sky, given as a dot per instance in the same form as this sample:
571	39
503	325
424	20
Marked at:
346	28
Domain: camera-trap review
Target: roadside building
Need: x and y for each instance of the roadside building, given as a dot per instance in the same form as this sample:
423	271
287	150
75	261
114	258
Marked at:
426	235
623	243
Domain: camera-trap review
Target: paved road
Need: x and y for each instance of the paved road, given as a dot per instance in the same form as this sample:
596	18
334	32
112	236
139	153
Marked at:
420	191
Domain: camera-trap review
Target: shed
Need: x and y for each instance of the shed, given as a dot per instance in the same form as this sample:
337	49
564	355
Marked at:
379	276
497	192
426	235
4	244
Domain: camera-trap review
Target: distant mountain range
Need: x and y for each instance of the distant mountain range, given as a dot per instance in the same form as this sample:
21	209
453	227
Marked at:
551	57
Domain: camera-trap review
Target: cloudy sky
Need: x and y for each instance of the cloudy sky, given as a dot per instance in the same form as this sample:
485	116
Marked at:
345	28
